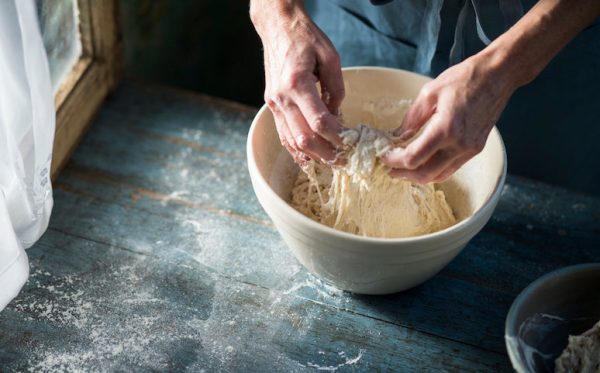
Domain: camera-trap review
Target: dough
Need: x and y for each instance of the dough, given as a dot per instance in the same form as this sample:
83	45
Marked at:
582	353
361	197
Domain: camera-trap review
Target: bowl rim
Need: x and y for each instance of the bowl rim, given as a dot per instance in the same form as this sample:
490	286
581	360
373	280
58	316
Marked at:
510	327
256	175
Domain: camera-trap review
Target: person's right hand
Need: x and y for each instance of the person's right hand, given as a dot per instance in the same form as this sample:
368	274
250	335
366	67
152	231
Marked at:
297	54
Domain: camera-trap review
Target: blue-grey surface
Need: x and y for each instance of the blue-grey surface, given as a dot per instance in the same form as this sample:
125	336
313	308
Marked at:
159	257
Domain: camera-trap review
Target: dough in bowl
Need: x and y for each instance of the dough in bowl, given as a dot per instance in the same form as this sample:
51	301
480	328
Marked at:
362	198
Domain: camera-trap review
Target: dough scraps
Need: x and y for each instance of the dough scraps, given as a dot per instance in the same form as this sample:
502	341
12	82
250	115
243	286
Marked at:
361	198
582	354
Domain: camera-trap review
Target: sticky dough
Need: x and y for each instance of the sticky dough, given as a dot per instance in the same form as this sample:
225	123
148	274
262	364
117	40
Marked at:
362	198
582	354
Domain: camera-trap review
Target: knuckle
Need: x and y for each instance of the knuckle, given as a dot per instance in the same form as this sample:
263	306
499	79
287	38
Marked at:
410	160
294	80
427	92
271	103
304	142
268	97
319	125
280	100
446	131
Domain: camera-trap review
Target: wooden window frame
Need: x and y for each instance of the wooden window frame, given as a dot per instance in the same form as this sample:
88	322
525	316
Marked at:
91	79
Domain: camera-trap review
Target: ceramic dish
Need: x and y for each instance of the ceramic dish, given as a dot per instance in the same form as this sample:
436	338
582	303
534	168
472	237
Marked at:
562	303
364	264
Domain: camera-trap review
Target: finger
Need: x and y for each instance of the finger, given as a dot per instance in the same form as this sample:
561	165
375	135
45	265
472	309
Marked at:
305	139
318	117
420	150
417	115
332	81
430	170
286	139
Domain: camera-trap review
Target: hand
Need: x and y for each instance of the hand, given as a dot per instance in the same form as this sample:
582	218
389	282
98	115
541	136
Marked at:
297	55
456	113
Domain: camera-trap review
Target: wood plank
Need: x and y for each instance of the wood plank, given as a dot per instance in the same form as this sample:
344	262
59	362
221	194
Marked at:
254	253
535	229
165	141
178	138
173	154
91	306
157	202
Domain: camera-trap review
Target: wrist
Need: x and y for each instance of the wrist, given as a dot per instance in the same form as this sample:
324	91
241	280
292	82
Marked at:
268	16
503	66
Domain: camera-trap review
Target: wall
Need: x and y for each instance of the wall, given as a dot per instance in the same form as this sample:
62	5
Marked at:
207	46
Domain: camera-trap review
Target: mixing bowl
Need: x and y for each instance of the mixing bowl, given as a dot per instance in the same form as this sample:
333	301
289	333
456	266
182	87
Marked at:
368	265
562	303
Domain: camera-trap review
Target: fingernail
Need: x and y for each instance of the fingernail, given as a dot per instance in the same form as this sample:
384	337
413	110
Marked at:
405	135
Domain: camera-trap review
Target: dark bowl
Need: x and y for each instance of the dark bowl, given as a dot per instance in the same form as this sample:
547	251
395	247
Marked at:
562	303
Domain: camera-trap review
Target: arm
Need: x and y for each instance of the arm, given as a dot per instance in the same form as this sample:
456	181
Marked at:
297	55
462	105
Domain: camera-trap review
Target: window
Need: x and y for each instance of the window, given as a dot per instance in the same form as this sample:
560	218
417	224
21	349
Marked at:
82	41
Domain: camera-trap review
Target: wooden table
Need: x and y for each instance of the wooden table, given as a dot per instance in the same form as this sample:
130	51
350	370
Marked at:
159	257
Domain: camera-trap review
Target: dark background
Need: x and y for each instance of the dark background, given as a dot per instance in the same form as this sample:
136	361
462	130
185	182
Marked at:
202	45
211	47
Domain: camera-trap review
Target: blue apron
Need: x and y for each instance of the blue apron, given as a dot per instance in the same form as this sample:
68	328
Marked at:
551	127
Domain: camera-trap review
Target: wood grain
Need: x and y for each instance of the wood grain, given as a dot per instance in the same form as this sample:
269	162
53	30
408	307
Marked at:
91	306
158	256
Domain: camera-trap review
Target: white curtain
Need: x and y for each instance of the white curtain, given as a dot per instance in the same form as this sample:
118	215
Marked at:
26	137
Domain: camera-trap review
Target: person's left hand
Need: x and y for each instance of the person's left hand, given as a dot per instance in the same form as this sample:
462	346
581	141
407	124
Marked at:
457	111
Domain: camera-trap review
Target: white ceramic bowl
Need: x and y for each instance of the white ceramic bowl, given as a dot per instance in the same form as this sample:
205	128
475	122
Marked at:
363	264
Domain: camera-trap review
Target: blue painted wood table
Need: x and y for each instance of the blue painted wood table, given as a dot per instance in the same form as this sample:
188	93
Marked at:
159	257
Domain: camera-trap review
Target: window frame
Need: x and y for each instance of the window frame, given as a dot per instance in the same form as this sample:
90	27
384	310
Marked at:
91	79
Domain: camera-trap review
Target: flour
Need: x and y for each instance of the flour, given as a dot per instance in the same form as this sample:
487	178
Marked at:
324	290
64	305
333	368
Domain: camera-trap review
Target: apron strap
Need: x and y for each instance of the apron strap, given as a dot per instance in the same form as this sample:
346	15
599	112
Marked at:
511	10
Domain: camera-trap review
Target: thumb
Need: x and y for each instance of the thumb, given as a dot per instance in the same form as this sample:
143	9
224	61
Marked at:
417	115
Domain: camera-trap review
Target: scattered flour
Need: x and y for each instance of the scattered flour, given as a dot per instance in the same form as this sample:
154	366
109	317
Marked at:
332	368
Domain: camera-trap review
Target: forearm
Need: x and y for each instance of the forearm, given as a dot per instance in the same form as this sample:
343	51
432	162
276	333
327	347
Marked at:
271	15
522	52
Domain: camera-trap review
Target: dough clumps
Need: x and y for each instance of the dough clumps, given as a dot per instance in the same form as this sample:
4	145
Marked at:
582	353
361	198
